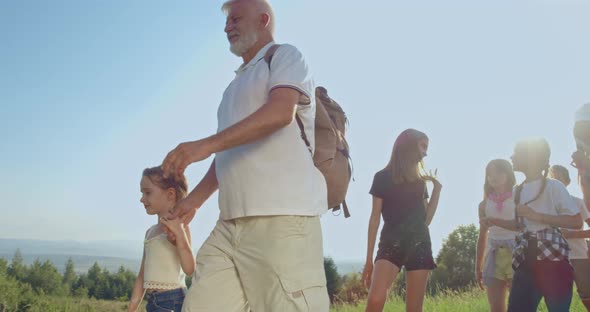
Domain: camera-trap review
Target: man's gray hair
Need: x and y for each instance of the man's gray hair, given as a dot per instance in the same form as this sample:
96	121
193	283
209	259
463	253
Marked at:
263	7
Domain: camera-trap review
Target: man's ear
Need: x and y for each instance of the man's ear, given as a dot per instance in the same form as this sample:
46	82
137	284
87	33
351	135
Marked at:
264	20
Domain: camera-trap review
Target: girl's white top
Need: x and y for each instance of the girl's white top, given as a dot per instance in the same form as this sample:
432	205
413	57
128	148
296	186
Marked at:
161	268
506	213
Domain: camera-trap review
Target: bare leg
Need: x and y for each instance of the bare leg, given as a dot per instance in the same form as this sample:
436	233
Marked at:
415	289
497	295
384	274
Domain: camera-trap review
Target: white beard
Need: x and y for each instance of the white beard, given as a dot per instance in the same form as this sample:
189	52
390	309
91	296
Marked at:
244	43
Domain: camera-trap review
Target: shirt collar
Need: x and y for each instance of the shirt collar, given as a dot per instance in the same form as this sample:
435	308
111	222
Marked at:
256	58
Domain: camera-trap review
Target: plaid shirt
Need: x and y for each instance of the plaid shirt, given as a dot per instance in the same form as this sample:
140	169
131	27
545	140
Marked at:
550	246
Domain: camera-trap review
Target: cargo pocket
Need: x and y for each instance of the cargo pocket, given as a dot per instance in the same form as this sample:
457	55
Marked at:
306	292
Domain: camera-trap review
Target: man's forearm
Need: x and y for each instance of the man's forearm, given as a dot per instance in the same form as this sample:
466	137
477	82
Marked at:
265	121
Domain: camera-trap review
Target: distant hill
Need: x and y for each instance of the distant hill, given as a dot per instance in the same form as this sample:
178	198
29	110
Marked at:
109	254
121	249
345	267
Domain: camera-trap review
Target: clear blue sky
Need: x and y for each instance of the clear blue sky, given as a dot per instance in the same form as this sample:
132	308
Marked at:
92	92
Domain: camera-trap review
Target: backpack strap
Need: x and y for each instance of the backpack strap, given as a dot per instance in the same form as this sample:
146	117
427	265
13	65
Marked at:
303	135
345	208
519	220
341	207
270	53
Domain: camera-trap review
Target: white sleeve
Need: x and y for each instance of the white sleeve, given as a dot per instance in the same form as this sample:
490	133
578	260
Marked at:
563	201
288	69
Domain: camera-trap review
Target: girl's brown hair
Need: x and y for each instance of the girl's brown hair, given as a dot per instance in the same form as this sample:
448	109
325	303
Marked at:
560	173
406	159
179	184
504	167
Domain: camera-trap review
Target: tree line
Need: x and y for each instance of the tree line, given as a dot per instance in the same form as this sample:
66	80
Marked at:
21	285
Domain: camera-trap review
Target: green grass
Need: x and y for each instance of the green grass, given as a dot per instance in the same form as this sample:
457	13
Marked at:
67	304
70	304
471	301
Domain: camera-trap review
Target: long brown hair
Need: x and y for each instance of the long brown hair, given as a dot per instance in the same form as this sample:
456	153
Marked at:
406	160
179	184
505	167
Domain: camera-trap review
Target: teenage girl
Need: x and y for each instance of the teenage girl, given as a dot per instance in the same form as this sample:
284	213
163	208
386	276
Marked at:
400	197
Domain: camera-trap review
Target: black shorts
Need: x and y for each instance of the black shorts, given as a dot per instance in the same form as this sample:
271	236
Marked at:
409	249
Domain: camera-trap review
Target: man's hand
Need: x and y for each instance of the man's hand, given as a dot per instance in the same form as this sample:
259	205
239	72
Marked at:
185	154
185	210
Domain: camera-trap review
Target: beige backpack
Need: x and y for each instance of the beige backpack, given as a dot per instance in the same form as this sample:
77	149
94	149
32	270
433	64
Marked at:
331	154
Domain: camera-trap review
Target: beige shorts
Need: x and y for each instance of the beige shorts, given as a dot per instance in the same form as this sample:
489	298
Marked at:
582	277
261	264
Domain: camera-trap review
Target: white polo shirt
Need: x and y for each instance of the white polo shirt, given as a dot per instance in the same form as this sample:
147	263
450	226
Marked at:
275	175
555	201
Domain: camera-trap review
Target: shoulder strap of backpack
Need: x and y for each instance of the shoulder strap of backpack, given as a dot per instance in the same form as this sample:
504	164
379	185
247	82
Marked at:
270	53
517	199
345	208
303	135
268	58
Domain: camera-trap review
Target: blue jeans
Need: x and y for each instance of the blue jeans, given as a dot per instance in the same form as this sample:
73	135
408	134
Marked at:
552	280
166	301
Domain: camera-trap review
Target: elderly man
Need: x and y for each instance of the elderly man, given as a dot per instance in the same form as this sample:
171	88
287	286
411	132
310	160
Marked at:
265	252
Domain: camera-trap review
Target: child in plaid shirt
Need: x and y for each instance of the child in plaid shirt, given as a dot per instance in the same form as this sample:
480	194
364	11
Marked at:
541	256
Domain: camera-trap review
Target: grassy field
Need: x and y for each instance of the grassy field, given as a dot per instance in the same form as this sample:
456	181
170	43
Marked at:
473	301
67	304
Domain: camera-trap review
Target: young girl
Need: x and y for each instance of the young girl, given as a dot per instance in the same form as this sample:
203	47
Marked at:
164	265
576	240
541	256
400	196
496	271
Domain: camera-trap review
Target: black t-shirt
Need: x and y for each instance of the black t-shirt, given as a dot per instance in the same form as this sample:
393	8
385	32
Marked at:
403	202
